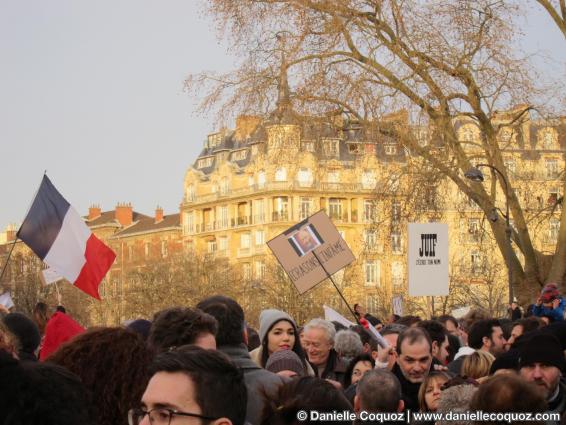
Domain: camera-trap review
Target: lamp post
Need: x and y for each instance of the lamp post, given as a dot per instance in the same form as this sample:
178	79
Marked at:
475	174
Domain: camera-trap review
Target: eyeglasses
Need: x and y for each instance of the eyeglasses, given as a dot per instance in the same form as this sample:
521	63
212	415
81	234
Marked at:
160	416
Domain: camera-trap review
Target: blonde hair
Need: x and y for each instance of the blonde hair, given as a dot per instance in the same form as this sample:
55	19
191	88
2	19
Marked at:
8	341
477	364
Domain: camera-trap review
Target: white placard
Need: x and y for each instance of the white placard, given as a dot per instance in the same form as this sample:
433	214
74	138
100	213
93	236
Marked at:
333	316
428	259
398	305
6	300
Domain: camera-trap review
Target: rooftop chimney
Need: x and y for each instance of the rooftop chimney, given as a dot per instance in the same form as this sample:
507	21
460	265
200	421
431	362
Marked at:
94	212
158	214
124	214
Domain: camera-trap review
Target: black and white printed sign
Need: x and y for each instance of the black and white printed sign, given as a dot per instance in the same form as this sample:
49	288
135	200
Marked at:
428	259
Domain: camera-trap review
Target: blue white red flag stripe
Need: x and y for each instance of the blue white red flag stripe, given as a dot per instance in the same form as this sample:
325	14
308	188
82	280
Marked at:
58	235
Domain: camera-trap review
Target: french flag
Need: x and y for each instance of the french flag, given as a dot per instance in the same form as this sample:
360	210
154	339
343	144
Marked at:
58	235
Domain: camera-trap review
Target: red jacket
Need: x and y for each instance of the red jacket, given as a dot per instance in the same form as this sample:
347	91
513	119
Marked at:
59	329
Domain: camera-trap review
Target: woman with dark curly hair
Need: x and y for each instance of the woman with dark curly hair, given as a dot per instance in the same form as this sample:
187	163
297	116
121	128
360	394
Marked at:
113	365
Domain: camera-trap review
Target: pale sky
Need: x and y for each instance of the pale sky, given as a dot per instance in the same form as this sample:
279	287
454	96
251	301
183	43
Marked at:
92	92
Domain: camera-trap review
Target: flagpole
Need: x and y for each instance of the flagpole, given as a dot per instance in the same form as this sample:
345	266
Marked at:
8	259
336	287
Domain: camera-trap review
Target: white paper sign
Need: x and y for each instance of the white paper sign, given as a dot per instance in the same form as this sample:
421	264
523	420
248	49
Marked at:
398	305
6	300
333	316
428	259
49	276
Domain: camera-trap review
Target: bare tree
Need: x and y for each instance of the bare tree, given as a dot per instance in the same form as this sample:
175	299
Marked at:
437	61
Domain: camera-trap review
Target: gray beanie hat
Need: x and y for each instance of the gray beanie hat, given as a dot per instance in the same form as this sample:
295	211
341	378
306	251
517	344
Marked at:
268	318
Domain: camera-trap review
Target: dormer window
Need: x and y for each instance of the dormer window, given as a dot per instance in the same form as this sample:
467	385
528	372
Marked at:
308	146
331	148
390	149
205	162
506	134
214	140
281	174
239	155
354	148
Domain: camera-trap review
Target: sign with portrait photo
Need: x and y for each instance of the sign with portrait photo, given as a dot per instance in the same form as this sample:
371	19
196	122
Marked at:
311	250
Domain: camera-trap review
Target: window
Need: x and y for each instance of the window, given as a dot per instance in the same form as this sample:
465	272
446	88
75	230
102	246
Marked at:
164	248
247	271
370	239
305	178
474	229
239	155
511	166
280	208
369	149
370	211
146	249
335	208
553	196
255	150
223	215
548	139
306	208
222	243
372	272
371	303
259	269
281	174
259	210
390	149
214	139
189	222
308	146
245	240
476	263
224	186
368	180
211	246
205	162
331	148
259	237
505	135
422	137
397	274
554	228
354	148
396	243
261	179
467	134
395	211
190	193
131	252
552	170
250	181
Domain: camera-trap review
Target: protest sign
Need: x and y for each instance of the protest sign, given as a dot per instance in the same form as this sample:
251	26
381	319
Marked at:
398	305
428	259
311	251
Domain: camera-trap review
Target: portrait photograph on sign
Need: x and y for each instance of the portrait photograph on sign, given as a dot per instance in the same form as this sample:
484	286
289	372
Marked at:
311	251
305	240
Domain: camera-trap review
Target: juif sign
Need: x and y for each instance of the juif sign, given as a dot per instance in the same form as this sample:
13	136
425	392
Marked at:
428	259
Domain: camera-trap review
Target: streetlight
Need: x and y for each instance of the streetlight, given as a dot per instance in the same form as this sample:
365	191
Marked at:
475	174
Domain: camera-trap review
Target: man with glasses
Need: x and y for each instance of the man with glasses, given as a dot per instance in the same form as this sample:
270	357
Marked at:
190	385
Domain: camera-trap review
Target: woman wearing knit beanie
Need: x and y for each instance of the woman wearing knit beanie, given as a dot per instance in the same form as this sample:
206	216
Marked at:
278	331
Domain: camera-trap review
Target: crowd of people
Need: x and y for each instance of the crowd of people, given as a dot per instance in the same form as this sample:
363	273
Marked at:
204	365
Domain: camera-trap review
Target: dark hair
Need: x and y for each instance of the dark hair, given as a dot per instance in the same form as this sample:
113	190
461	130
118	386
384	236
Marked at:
113	364
41	316
408	320
61	309
297	347
230	318
306	393
364	357
392	329
365	336
447	318
528	324
435	330
40	393
253	338
338	326
379	391
508	393
413	335
219	385
179	326
479	330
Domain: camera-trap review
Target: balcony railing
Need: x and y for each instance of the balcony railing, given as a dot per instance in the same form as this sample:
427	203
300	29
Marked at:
279	187
280	216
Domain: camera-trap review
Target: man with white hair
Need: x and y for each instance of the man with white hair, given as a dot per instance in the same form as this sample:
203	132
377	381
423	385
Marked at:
318	342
